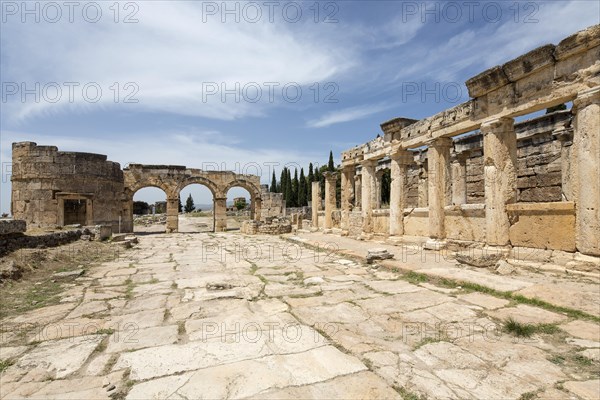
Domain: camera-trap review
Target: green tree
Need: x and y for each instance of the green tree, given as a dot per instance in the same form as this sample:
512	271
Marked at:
330	164
295	189
288	190
189	204
240	203
309	180
273	183
302	199
283	181
180	206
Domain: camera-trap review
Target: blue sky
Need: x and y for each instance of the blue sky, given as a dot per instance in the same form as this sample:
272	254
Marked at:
357	64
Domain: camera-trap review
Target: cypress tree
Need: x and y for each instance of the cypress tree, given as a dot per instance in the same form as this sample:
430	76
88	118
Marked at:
273	183
288	190
330	164
295	188
302	200
283	181
309	180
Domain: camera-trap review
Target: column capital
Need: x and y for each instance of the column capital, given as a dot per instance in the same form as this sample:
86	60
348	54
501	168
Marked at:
220	198
439	143
348	167
368	163
492	125
461	156
402	156
587	97
330	176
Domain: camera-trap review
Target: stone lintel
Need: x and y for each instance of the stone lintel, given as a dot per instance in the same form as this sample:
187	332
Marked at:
486	81
530	62
541	207
578	42
587	97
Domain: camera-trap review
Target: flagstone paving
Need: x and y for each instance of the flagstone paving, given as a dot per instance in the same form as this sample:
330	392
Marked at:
201	315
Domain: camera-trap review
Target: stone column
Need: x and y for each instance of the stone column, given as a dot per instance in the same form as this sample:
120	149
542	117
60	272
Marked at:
357	191
586	145
220	214
316	203
330	201
347	195
398	189
423	188
172	214
377	193
438	176
257	206
459	178
367	189
567	163
500	175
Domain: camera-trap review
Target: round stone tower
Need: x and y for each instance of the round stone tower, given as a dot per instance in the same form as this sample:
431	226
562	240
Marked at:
51	187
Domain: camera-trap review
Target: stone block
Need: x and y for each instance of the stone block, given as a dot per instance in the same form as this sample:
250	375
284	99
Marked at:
11	226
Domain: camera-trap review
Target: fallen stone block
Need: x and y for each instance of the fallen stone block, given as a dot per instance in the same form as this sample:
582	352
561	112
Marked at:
69	274
504	268
315	280
484	261
378	254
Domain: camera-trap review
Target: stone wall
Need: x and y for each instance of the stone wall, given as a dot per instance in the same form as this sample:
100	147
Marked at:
10	226
274	227
13	242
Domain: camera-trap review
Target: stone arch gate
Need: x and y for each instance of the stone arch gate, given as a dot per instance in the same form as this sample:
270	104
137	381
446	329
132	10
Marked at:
173	178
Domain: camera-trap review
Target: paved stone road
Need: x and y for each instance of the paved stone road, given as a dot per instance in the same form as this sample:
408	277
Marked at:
197	315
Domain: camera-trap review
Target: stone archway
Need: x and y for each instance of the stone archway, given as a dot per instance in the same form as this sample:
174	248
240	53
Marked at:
255	199
173	178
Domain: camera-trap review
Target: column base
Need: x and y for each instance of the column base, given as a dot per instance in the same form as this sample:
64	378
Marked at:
394	240
434	244
365	236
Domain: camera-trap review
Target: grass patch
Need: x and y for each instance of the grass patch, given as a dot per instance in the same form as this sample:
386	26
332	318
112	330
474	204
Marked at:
519	329
581	360
253	268
173	285
416	277
557	359
181	328
408	395
110	364
528	396
105	331
4	364
427	340
527	330
129	291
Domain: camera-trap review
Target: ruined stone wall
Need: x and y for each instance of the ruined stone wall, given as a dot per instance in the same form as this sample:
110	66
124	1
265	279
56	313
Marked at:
43	178
273	204
412	186
531	184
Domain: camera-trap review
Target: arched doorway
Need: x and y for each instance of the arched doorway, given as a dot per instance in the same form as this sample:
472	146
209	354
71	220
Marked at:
149	209
197	209
240	207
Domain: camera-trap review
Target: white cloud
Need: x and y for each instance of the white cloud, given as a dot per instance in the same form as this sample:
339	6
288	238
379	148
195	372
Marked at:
169	55
348	114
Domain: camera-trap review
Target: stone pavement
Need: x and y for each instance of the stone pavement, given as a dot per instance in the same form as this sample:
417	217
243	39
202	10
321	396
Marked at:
202	315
